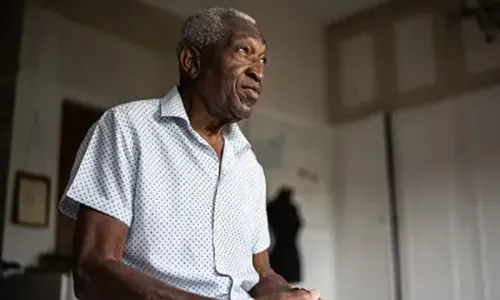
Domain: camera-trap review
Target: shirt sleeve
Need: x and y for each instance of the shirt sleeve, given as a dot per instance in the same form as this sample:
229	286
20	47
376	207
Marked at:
262	237
103	175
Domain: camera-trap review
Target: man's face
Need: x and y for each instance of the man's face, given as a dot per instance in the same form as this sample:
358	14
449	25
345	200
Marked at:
232	72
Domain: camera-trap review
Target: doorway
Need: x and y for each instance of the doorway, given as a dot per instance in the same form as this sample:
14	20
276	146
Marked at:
76	121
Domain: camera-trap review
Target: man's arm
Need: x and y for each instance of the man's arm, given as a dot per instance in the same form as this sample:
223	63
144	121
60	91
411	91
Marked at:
100	273
270	282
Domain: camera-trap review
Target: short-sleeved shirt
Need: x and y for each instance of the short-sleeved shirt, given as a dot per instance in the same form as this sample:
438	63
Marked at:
194	221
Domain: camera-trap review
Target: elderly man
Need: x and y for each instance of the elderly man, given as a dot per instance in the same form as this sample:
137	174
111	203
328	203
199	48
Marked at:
168	196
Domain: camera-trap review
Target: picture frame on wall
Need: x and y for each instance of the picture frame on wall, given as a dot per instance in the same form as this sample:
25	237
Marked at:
31	200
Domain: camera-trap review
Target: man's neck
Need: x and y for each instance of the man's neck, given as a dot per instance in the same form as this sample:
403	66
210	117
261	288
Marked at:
200	119
208	127
203	123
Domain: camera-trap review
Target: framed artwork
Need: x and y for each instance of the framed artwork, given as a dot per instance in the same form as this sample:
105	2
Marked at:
31	200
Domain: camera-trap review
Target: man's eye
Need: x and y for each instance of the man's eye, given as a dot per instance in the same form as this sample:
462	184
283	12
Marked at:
243	50
263	60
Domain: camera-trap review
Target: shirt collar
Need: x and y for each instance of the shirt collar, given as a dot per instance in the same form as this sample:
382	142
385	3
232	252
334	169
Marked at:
171	106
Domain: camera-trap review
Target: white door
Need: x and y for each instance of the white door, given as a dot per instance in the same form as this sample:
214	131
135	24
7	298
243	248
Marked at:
363	251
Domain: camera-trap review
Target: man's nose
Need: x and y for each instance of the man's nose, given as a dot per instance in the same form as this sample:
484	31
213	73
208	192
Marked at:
256	72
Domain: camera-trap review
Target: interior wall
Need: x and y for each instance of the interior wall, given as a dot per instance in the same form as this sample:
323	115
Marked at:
447	170
283	146
295	75
63	59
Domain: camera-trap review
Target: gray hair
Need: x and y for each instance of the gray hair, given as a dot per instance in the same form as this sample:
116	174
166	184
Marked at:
207	26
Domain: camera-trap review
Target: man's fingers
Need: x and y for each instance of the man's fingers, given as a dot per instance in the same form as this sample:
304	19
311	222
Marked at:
306	294
314	294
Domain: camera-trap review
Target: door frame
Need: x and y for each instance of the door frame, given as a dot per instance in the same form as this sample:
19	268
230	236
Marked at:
60	188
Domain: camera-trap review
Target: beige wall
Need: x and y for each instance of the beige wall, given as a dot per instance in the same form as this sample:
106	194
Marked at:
295	75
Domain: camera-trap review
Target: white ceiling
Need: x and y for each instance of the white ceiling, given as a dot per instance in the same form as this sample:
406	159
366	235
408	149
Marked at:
323	11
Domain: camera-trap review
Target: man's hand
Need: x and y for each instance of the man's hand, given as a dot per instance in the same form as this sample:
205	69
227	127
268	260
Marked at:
272	286
293	294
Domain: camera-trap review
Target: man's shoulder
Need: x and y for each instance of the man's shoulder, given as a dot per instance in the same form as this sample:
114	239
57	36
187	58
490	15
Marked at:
137	108
132	113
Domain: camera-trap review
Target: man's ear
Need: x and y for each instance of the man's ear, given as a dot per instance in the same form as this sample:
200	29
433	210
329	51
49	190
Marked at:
190	61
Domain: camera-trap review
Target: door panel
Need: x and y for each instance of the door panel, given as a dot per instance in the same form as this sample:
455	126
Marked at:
363	237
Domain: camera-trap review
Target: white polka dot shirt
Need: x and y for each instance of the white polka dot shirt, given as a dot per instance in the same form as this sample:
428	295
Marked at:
193	224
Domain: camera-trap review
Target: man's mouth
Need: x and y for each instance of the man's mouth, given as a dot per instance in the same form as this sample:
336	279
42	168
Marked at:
252	93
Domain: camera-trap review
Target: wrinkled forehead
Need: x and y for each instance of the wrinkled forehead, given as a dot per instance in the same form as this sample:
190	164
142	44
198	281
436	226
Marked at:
241	28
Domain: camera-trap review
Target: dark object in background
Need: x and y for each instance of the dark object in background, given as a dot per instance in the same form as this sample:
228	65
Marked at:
7	268
285	223
30	286
50	262
487	15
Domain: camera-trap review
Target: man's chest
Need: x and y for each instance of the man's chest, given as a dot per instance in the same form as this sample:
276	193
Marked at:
185	196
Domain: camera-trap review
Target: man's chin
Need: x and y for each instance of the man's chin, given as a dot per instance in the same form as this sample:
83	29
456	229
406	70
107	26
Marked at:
241	109
242	115
242	112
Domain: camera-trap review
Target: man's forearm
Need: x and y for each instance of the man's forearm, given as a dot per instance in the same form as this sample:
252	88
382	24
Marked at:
113	280
269	284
